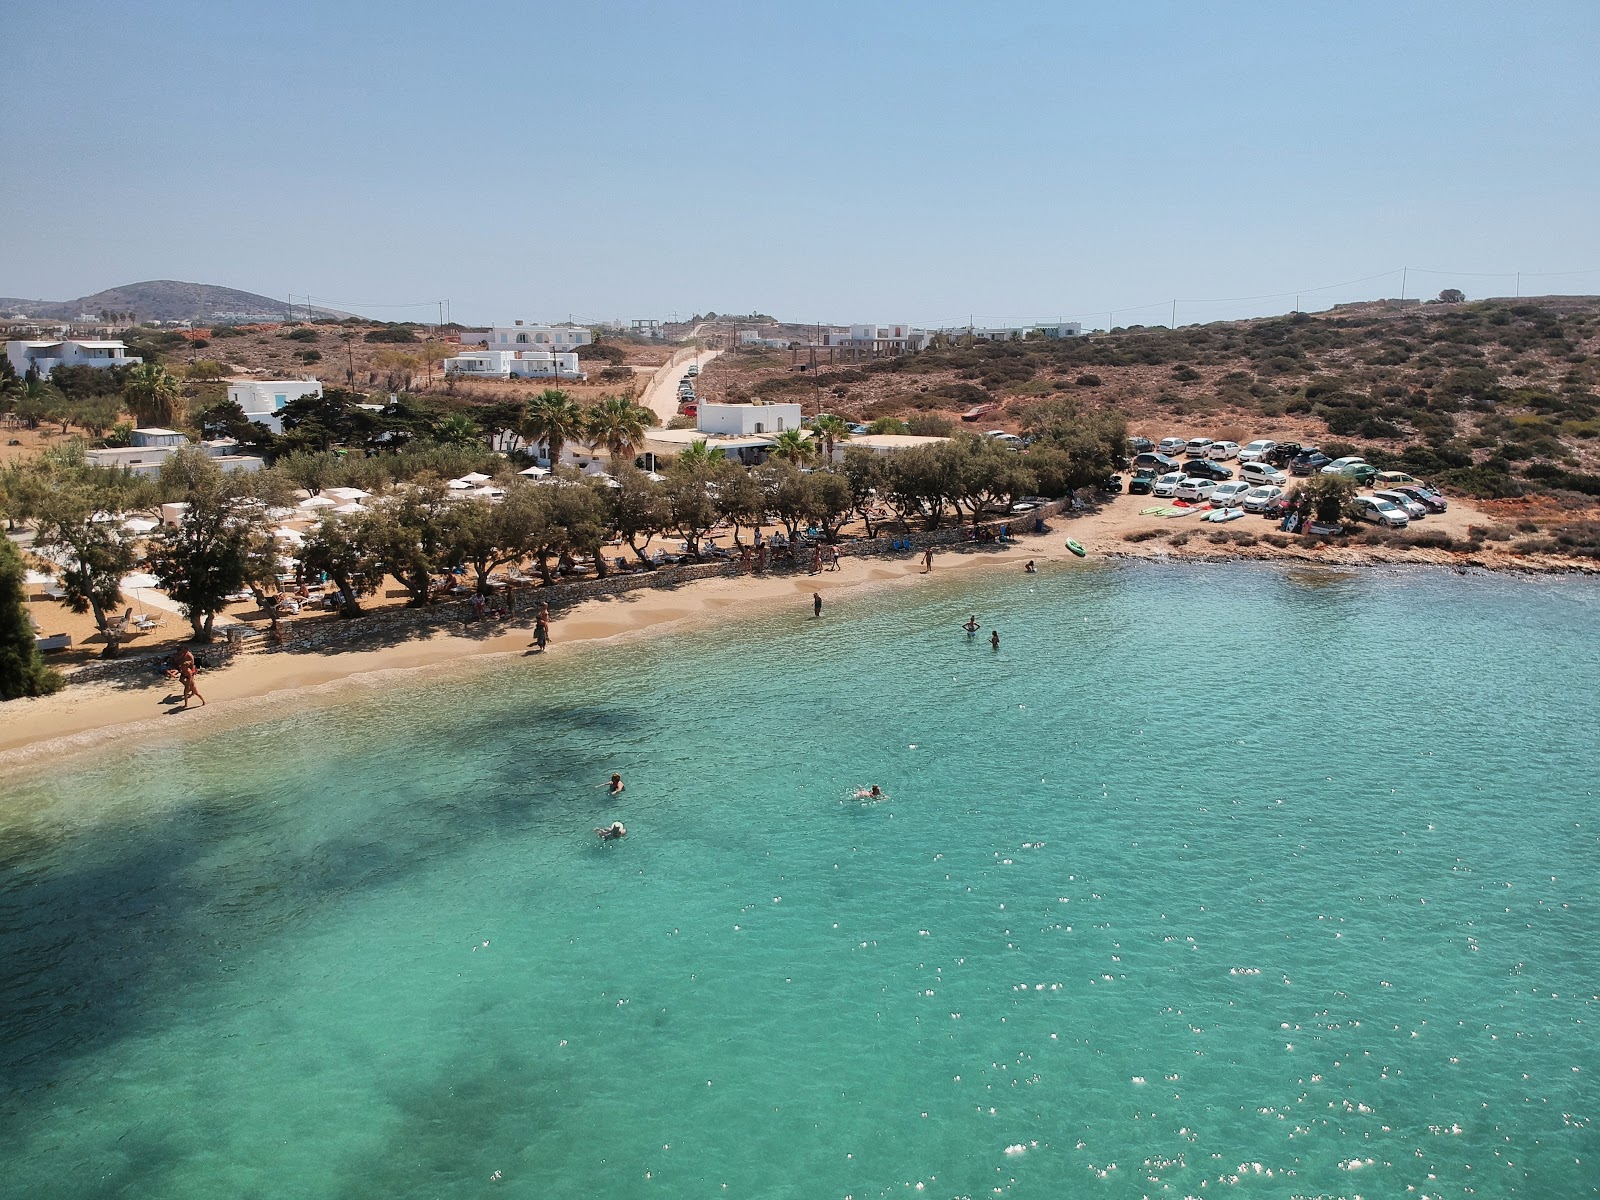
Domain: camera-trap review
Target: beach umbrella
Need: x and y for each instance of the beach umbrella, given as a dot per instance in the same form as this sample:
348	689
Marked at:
140	524
136	582
284	534
459	485
317	502
349	508
535	472
475	477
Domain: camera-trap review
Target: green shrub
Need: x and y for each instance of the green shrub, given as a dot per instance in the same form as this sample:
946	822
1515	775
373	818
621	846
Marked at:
1143	535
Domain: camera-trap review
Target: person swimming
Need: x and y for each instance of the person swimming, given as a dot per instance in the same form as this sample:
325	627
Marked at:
612	832
616	785
972	625
872	793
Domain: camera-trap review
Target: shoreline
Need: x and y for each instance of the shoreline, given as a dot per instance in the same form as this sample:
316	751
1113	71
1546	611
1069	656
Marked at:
37	732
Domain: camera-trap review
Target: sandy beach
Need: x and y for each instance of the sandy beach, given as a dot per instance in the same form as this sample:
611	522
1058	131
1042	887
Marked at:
35	732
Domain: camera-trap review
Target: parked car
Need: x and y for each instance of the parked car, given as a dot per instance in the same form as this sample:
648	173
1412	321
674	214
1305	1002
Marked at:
1173	446
1167	485
1308	461
1111	483
1283	453
694	369
858	429
1229	495
1380	512
1005	439
1141	481
1222	451
1159	463
1140	445
1258	497
1415	509
1353	466
1260	472
1195	489
1425	496
1256	450
1391	478
1197	447
1204	468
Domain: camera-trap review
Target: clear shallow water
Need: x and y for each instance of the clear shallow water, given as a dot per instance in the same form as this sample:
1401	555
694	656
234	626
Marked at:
1212	881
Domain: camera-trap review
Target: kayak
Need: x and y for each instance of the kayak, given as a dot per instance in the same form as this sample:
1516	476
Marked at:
1077	549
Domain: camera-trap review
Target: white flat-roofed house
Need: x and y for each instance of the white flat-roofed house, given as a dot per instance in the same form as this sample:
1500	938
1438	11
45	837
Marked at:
742	420
880	340
538	337
45	357
1059	329
151	447
495	363
262	400
885	443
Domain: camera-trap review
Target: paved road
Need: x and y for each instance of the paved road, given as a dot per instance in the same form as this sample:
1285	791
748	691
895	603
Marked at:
661	395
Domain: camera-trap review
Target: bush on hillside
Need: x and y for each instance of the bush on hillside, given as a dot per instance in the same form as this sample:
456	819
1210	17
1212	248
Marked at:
400	334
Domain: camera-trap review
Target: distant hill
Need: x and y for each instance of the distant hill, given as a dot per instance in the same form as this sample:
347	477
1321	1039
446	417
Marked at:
165	300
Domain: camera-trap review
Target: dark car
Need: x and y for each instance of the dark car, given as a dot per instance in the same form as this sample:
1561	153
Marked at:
1111	483
1205	468
1159	463
1283	453
1140	445
1141	482
1308	461
1427	497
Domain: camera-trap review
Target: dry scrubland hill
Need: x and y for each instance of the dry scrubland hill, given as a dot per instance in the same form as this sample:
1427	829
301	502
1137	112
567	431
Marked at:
1495	399
162	300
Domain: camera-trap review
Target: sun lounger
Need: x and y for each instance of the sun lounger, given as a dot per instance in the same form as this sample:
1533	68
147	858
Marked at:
56	641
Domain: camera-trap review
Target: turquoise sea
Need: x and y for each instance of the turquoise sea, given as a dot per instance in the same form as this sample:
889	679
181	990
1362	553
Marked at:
1212	881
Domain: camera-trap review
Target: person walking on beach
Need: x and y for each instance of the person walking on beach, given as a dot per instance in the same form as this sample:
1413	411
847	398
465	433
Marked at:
816	604
816	559
927	560
541	627
186	675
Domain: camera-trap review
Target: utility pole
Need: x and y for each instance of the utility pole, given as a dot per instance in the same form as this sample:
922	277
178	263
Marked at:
1174	315
1519	285
1404	271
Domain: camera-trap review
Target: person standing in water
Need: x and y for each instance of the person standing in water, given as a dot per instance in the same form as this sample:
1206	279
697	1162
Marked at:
994	638
616	785
971	625
816	604
1030	568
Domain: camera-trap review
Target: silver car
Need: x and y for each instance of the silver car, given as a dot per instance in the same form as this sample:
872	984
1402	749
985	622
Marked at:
1258	497
1414	509
1167	485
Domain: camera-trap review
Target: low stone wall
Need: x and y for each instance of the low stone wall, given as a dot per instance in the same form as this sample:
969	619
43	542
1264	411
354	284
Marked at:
954	535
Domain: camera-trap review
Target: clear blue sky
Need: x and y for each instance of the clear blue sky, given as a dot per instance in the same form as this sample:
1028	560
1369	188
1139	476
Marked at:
833	162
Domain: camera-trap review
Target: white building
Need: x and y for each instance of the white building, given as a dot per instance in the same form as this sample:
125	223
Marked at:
47	356
754	338
151	447
651	329
553	338
880	339
742	420
263	399
885	443
519	364
1013	333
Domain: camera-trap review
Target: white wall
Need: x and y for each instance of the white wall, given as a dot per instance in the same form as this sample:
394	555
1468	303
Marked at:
263	399
739	420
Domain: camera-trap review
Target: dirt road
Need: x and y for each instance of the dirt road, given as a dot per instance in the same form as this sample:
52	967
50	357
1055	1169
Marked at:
661	394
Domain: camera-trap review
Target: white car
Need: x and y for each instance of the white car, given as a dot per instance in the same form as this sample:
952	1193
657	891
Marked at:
1230	494
1222	451
1168	484
1353	466
1194	489
1414	509
1258	497
1005	439
1257	450
1173	447
1197	447
1260	472
1381	512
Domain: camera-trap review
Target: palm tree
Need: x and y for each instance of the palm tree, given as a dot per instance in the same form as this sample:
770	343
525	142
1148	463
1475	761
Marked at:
151	394
555	419
699	454
792	445
619	423
830	429
458	429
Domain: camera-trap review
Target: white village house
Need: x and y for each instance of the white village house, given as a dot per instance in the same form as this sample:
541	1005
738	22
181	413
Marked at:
45	357
150	447
744	432
515	364
880	339
263	399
